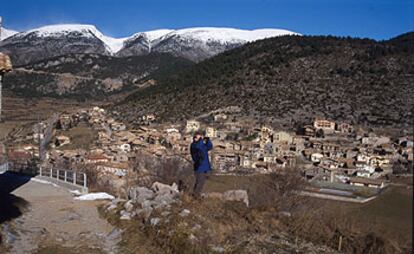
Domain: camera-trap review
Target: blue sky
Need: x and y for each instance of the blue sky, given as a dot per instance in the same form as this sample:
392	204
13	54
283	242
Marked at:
378	19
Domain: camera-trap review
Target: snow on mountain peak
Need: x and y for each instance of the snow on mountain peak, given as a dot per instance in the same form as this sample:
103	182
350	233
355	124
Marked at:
113	45
229	34
5	33
156	34
62	29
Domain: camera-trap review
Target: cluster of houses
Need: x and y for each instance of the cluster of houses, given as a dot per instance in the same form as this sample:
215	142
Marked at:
322	151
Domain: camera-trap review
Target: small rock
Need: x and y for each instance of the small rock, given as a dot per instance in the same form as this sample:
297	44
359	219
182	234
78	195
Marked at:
115	234
196	227
218	249
285	214
165	213
155	221
111	207
115	201
125	215
129	206
184	213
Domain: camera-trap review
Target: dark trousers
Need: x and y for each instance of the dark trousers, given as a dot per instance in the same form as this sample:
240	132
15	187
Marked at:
200	180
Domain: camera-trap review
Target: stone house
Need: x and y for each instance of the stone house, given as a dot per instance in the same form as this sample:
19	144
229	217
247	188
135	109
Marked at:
117	126
325	125
220	117
18	160
378	161
96	158
316	157
329	163
309	131
267	158
375	140
181	146
367	182
225	162
211	132
173	137
345	128
245	160
266	135
62	140
299	144
221	134
148	118
317	145
64	121
120	157
281	149
124	147
117	169
283	137
192	126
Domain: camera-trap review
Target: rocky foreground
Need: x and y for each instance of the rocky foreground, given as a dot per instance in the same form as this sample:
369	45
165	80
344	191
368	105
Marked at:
160	219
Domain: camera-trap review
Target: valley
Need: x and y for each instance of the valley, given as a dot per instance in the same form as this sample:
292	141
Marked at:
312	141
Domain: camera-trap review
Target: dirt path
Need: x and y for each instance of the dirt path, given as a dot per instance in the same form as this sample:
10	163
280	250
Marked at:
56	223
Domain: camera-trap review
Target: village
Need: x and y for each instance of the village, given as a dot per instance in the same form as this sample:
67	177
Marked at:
333	155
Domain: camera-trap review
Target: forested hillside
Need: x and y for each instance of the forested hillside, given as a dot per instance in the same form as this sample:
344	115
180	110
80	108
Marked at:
292	79
85	76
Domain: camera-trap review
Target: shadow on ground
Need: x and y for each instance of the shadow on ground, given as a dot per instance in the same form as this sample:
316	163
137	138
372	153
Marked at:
11	206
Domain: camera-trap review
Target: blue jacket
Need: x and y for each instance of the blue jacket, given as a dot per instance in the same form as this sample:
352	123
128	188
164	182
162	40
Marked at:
199	154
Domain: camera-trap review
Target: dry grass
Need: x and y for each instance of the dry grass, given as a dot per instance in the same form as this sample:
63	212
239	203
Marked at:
81	137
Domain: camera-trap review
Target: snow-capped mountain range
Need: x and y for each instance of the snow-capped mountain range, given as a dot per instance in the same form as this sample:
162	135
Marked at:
5	33
192	43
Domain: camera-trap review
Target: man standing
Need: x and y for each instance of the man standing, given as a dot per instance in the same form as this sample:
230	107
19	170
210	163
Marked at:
199	153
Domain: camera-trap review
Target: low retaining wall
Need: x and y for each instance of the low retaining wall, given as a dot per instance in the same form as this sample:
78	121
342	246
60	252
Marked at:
70	186
337	198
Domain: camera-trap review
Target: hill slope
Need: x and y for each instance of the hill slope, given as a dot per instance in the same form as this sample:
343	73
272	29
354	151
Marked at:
84	76
292	79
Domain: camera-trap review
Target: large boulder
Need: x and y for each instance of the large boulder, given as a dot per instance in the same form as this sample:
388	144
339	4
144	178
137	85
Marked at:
236	195
164	200
140	194
231	195
161	188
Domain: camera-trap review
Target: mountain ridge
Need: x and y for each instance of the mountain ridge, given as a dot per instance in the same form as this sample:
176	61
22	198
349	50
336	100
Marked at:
195	44
6	33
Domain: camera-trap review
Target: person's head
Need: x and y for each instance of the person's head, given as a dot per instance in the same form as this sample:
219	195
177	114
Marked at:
197	135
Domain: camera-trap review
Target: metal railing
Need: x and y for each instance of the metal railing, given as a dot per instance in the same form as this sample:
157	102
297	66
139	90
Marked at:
67	176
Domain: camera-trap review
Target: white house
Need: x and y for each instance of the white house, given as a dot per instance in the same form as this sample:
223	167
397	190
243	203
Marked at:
316	157
126	148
